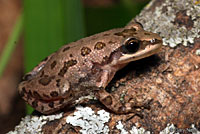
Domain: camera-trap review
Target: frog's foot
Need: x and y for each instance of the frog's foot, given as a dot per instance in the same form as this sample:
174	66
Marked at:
115	105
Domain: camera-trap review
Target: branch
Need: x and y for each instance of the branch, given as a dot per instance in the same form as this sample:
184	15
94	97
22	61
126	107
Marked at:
165	88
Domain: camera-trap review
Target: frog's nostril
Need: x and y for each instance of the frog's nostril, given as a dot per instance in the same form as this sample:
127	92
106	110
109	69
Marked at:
152	40
155	41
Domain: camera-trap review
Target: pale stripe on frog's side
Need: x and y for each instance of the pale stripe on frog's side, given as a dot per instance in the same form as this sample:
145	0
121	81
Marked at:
86	67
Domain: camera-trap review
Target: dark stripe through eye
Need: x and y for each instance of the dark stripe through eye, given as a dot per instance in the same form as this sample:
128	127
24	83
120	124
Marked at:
131	46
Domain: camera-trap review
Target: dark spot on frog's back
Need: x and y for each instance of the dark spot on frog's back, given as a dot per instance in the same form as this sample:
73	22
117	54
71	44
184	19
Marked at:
129	30
71	63
35	104
119	34
36	95
99	45
66	48
63	71
85	51
112	42
71	55
67	64
23	91
58	82
30	93
53	64
106	34
146	33
61	101
54	94
45	81
126	32
51	104
46	96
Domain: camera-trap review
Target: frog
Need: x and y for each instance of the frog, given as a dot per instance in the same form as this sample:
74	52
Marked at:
85	67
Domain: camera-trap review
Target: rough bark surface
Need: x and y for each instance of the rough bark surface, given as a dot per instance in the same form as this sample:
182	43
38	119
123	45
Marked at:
164	87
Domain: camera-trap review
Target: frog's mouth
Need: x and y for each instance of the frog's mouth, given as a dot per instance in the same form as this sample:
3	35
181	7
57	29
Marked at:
144	49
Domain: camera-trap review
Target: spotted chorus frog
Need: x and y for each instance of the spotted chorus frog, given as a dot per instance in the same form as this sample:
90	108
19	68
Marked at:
86	67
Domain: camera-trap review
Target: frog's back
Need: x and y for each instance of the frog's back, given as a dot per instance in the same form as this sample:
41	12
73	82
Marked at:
77	58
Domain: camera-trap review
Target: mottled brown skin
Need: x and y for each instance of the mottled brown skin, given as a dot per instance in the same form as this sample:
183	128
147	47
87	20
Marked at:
86	67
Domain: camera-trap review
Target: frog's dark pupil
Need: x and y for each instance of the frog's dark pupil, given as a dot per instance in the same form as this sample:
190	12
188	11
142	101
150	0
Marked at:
132	46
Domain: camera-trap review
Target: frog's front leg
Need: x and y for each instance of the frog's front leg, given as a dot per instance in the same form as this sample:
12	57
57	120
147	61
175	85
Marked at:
106	74
109	100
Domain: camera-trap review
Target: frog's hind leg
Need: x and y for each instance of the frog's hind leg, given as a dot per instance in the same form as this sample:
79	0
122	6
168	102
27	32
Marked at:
46	88
114	104
46	94
46	107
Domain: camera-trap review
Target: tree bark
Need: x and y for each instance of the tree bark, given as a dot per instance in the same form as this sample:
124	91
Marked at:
164	87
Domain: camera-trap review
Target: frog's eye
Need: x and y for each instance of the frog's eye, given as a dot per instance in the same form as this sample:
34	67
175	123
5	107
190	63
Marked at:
131	45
